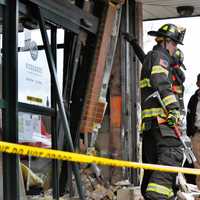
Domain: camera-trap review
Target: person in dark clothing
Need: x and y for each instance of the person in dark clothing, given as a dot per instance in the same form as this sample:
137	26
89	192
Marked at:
193	126
160	145
192	112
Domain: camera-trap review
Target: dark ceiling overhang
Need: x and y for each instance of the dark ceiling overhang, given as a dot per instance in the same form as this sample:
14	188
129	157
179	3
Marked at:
165	9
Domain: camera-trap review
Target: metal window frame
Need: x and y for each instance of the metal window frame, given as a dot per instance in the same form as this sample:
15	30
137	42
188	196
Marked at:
71	14
60	103
54	132
71	18
10	95
63	14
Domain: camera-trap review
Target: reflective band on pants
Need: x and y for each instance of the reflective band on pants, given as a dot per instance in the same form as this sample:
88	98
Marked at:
153	187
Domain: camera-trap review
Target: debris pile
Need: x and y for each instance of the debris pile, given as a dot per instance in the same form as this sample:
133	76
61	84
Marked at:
97	189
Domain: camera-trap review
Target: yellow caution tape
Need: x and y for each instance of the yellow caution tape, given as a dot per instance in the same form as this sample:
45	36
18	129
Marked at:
75	157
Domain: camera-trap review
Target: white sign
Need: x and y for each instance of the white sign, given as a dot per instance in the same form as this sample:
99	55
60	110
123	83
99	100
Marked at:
33	73
33	79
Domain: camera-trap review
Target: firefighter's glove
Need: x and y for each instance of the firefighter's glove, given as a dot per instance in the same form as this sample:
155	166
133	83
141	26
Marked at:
128	37
173	117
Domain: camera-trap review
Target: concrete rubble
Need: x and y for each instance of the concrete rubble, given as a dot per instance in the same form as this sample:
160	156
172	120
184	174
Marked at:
97	189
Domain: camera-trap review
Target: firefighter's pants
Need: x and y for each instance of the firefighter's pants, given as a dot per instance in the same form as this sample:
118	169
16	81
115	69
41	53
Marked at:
163	151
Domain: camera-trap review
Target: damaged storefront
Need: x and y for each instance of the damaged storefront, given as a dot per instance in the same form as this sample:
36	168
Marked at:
68	82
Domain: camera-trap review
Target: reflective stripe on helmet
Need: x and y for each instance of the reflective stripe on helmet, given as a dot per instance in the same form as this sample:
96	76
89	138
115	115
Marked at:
166	27
178	53
145	83
157	69
169	100
179	56
160	189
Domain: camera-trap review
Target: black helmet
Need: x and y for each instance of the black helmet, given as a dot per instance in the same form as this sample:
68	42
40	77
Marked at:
171	31
178	58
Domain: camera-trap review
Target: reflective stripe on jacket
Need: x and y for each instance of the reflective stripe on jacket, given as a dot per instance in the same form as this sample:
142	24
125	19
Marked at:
155	77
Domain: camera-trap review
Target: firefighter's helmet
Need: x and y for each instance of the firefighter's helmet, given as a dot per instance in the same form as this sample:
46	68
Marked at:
178	58
171	31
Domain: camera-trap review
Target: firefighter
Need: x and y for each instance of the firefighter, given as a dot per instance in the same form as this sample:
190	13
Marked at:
178	77
160	145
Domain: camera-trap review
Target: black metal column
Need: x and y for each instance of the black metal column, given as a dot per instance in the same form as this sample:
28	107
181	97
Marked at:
123	93
10	94
55	182
129	92
134	93
60	102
